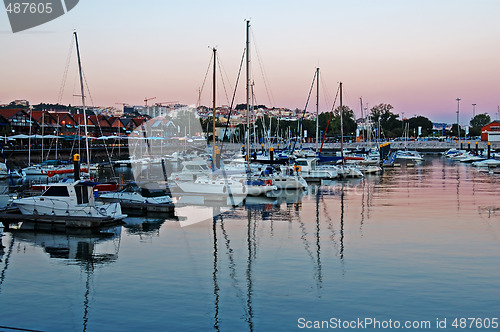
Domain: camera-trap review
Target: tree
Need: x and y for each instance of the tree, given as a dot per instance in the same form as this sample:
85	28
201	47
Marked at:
480	120
388	120
453	131
420	121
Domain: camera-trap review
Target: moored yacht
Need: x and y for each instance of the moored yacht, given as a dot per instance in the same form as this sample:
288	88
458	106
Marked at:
71	199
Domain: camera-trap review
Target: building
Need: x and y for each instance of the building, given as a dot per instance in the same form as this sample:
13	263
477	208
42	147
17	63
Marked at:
491	132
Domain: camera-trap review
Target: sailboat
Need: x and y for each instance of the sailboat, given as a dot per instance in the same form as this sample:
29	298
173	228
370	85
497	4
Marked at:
343	170
71	198
407	154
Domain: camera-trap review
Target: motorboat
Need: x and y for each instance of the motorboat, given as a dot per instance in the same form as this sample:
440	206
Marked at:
349	171
4	172
472	157
71	199
490	163
225	186
191	170
133	193
308	169
408	155
285	181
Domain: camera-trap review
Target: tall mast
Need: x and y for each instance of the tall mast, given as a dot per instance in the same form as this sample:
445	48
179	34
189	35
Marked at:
317	108
29	142
341	126
43	132
248	90
362	118
83	102
458	120
213	111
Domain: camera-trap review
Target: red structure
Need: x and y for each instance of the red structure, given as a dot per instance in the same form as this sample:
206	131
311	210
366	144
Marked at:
491	132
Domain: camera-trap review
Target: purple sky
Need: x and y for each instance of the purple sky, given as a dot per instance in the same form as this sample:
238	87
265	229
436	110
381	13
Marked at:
418	56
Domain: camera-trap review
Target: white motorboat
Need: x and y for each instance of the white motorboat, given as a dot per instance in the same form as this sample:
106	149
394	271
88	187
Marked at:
285	181
206	185
133	193
349	171
218	186
408	155
71	199
4	172
471	157
308	169
370	169
490	163
191	170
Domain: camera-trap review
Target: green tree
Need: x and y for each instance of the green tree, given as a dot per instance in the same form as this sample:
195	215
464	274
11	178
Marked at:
480	120
388	120
453	130
420	121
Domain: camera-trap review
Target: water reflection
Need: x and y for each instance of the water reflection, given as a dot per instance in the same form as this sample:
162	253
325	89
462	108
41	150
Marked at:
86	251
350	242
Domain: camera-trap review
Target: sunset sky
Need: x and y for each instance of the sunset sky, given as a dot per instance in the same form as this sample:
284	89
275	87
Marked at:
418	56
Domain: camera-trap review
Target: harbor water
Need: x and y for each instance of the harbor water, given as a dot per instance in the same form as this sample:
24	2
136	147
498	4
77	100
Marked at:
413	245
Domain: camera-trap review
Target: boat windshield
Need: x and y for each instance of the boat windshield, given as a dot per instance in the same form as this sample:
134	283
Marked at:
56	191
153	192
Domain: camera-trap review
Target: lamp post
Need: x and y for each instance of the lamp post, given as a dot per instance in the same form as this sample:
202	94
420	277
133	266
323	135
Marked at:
458	119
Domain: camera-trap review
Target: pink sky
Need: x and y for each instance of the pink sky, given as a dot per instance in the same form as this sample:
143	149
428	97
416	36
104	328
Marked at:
418	56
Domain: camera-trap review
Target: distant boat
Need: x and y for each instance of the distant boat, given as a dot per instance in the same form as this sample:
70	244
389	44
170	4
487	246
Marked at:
308	169
408	155
490	163
4	172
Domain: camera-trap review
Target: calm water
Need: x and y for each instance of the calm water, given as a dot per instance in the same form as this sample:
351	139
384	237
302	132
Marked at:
414	244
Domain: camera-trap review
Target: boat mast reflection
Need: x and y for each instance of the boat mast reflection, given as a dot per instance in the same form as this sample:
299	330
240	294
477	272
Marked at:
214	274
82	250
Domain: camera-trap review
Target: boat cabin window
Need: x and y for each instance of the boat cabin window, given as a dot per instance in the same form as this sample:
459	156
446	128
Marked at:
301	163
58	191
153	192
82	194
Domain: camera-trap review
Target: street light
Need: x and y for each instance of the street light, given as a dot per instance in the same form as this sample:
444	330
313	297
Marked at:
458	119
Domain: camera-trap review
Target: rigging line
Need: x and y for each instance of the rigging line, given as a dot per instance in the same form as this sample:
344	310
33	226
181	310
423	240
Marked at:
88	90
223	71
326	91
65	75
263	72
105	145
223	82
204	80
329	119
304	112
234	96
